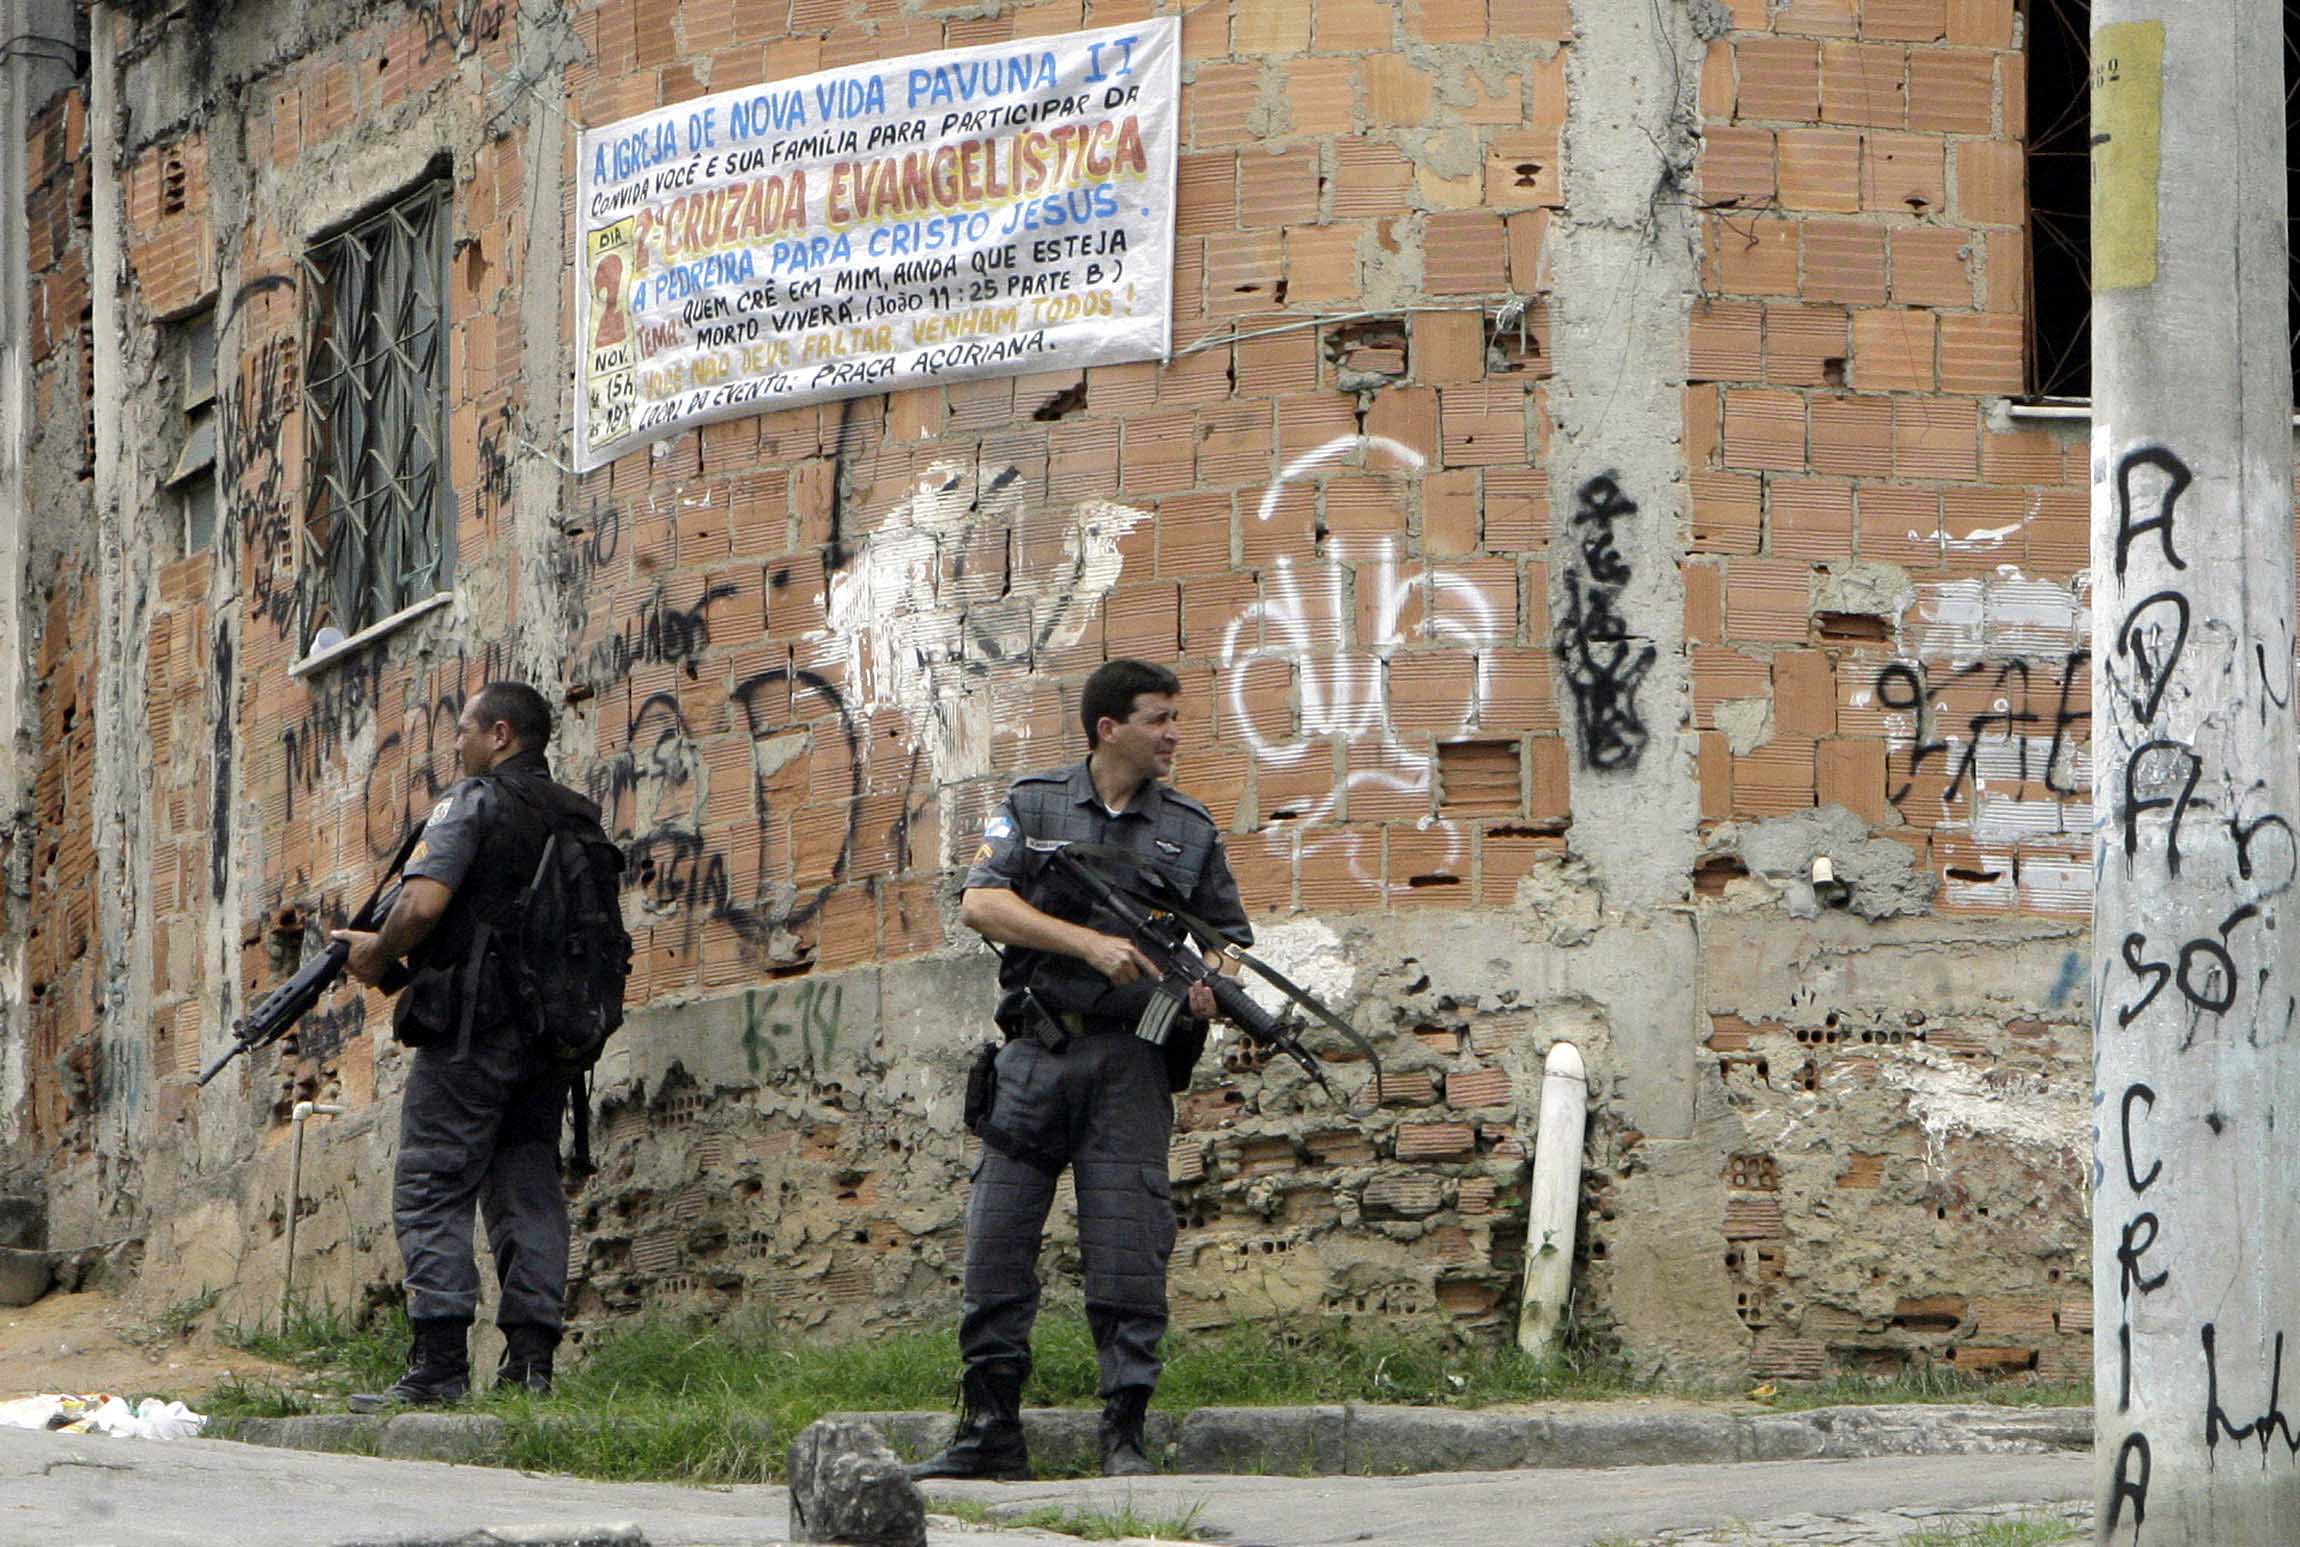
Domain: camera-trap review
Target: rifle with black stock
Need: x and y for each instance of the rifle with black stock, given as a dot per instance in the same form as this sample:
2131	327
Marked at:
1167	934
280	1009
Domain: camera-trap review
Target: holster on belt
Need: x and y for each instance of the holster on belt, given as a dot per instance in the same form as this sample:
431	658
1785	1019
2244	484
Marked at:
1020	1013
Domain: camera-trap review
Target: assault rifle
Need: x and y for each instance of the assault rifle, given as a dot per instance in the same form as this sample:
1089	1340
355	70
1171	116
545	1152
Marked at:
280	1009
1170	937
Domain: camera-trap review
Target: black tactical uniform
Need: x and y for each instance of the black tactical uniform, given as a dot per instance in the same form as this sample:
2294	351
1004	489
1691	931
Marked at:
1099	1104
480	1118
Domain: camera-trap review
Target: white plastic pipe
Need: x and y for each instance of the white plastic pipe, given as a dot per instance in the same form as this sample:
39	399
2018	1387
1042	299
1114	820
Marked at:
296	1116
1556	1202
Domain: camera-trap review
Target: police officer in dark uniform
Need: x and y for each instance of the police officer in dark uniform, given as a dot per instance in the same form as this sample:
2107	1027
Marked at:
480	1118
1074	1085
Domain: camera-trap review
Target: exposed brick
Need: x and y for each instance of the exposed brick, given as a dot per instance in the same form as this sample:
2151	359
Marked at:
1903	174
1779	78
1929	267
1417	1141
1725	341
1271	27
1728	510
1522	169
1714	768
1819	18
1981	352
1547	21
1355	26
1464	253
1952	90
1704	603
1764	430
1821	169
1413	1088
1913	21
1893	350
1809	518
1775	779
1805	346
1279	189
1321	96
1852	434
1768	601
1322	263
1524	232
1737	165
1844	262
1865	84
1446	21
1478	1088
1935	439
1753	255
1220	103
1804	694
1370	179
1991	183
1981	23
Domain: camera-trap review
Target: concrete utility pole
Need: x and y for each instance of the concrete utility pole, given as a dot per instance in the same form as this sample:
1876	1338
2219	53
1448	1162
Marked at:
2196	793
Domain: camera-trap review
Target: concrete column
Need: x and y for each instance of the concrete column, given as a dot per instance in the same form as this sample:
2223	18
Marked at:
2196	1182
1622	275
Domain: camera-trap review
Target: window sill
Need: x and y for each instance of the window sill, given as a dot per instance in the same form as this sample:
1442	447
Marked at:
2073	410
383	629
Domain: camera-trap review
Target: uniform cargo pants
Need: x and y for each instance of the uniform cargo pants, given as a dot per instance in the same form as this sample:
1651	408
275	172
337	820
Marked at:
1101	1106
482	1131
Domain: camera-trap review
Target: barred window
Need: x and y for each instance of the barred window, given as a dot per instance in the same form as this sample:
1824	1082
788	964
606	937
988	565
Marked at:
378	531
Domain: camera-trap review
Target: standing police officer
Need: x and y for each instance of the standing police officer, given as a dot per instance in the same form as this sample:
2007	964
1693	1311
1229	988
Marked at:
1074	1085
479	1121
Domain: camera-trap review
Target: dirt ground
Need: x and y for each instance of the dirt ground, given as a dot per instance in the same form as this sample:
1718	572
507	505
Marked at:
92	1342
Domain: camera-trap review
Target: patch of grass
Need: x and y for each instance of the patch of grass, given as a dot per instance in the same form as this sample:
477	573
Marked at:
1109	1525
333	1354
1093	1525
1936	1384
720	1402
2021	1531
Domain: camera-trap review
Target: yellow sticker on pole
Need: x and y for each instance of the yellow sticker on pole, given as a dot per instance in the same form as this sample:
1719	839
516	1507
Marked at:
2127	127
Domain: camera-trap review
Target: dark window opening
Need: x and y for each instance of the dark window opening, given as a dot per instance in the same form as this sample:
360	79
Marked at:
2057	41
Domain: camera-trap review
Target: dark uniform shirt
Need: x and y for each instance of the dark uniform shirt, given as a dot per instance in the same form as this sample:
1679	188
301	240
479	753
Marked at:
1169	830
482	843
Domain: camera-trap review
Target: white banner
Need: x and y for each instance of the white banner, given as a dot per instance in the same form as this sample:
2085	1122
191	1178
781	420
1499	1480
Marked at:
981	212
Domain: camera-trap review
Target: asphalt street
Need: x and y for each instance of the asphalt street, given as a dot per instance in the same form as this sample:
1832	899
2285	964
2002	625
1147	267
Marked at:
76	1491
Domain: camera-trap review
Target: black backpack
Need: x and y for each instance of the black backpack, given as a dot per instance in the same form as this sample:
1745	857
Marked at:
566	951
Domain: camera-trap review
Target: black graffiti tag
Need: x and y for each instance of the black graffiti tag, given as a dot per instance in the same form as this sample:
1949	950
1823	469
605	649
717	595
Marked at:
2177	479
1604	663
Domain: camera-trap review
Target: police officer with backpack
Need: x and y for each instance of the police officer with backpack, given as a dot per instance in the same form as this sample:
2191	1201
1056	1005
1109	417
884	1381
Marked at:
480	1117
1074	1084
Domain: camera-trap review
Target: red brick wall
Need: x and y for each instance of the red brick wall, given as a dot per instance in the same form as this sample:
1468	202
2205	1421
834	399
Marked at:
64	957
1862	295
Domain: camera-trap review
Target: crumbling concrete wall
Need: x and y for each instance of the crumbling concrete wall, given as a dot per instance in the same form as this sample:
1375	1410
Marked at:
1573	508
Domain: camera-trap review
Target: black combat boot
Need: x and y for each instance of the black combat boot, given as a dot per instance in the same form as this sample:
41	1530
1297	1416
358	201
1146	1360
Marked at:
1121	1431
438	1369
527	1352
989	1442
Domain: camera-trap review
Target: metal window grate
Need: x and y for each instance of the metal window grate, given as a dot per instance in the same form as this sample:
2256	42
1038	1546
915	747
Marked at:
378	528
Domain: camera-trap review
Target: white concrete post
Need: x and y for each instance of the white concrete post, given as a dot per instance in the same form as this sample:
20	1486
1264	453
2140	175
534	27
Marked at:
2196	1170
1555	1207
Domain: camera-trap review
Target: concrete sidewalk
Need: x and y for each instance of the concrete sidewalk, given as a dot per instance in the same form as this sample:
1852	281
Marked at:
78	1491
1347	1439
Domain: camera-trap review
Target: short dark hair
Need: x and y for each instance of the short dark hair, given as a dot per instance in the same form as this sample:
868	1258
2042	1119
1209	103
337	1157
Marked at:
518	706
1112	689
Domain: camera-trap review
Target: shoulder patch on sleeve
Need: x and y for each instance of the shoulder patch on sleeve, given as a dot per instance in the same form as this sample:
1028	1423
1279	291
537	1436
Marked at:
998	826
439	811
